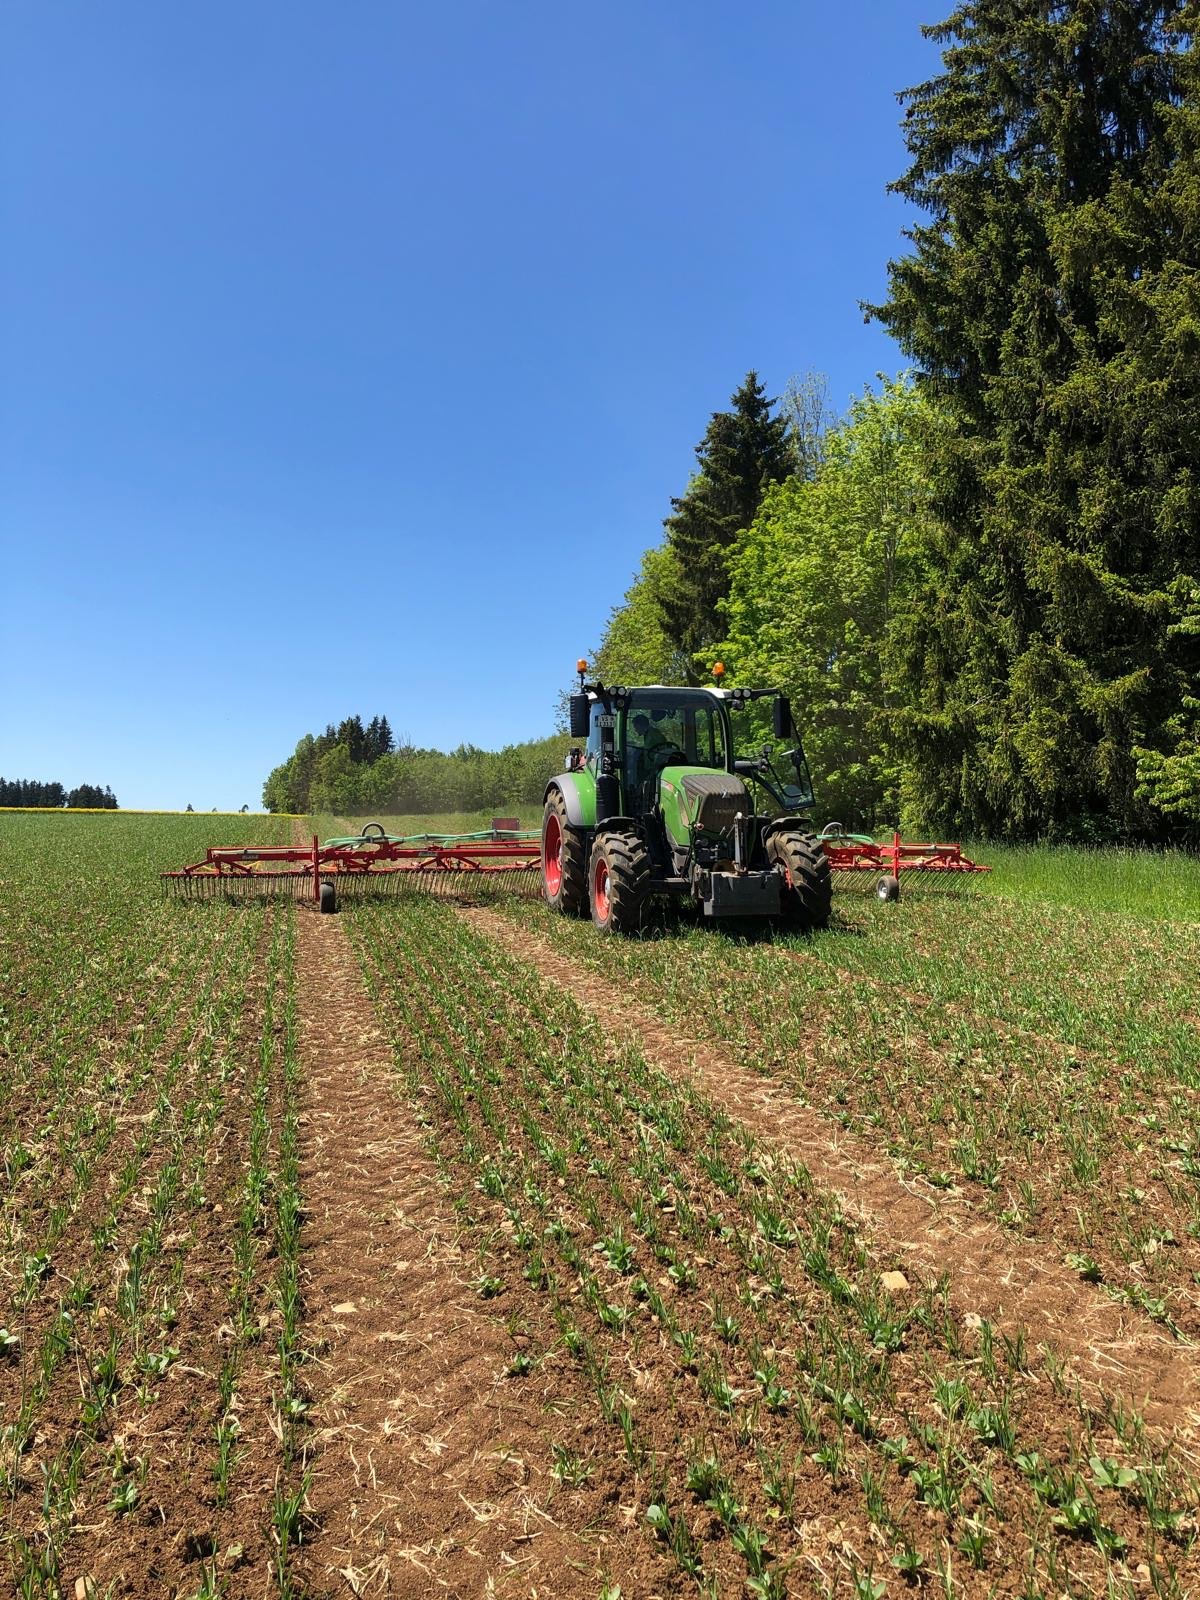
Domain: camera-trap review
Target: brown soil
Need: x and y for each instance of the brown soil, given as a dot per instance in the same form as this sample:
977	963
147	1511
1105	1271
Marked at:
925	1232
430	1467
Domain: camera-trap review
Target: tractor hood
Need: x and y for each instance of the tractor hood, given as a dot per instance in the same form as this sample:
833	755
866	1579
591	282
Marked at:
697	799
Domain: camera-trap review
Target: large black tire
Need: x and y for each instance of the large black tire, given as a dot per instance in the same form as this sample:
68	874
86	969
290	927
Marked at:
564	861
619	878
807	896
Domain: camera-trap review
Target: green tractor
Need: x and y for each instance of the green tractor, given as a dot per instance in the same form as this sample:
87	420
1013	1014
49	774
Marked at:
657	803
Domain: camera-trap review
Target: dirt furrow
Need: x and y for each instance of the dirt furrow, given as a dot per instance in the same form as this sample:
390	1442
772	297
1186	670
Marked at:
925	1232
430	1472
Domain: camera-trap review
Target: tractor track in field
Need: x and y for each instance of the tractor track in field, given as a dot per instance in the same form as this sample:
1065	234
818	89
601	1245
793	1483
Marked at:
429	1466
928	1234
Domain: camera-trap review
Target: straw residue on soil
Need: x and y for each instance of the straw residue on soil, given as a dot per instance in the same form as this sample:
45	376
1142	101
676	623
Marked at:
430	1464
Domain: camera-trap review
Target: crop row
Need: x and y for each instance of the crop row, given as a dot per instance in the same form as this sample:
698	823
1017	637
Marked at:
149	1384
779	1411
1078	977
1059	1143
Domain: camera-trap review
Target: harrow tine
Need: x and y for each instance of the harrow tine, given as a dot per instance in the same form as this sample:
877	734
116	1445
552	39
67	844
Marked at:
438	883
238	887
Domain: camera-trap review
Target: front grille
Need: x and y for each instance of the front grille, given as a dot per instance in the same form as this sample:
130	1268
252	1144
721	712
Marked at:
715	798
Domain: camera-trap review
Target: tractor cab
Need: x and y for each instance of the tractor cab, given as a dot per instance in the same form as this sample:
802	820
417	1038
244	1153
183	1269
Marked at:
648	730
652	729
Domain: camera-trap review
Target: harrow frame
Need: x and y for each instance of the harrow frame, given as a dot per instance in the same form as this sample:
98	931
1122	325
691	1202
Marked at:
302	871
855	852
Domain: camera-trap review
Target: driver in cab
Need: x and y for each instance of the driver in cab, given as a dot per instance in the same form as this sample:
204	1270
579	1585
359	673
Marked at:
653	745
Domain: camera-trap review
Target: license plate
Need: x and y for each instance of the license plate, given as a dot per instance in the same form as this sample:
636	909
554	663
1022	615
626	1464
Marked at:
607	719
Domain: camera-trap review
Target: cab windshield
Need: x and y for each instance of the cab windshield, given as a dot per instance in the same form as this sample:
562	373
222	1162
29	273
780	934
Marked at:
674	728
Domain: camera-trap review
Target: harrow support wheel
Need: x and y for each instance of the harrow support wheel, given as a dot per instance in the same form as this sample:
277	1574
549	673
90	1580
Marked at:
888	888
564	860
807	896
328	900
619	879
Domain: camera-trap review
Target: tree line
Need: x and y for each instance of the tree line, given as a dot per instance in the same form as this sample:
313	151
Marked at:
982	586
29	792
345	772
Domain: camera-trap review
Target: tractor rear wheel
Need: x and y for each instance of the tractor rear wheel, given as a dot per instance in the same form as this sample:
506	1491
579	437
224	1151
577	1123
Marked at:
564	863
807	897
619	879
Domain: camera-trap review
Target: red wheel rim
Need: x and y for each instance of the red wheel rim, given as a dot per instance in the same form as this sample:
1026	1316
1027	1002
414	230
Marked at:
600	890
552	856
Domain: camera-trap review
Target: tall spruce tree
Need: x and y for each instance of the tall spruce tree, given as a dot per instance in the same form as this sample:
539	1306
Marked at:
744	451
353	735
1052	305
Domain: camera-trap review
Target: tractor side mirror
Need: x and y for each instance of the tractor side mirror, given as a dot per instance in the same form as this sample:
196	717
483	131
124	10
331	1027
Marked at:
581	715
783	717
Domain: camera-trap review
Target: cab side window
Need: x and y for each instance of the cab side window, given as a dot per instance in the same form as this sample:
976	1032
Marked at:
592	754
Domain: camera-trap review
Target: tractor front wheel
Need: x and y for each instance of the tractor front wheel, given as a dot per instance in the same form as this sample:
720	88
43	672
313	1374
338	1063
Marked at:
619	882
564	863
807	897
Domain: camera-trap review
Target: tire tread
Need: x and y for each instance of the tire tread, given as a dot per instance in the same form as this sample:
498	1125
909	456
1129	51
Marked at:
630	875
808	901
572	899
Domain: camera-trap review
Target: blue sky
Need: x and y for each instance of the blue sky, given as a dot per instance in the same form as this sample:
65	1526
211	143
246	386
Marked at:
351	354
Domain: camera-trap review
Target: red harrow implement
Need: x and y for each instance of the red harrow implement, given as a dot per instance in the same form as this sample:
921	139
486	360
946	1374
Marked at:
502	858
372	862
858	852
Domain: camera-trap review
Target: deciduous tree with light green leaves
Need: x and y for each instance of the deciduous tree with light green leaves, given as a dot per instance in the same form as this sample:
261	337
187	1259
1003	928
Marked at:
817	585
637	646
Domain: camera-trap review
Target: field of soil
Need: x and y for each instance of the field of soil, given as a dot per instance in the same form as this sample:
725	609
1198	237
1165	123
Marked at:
439	1248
